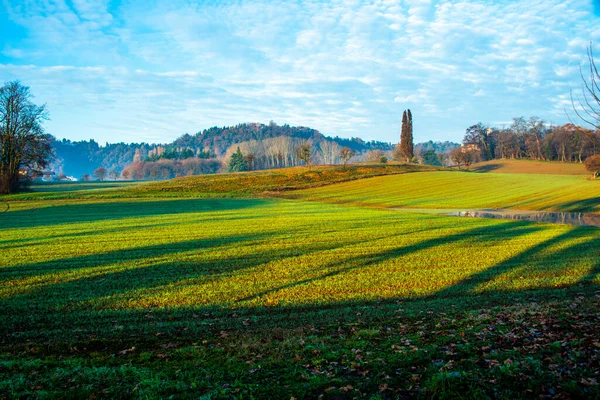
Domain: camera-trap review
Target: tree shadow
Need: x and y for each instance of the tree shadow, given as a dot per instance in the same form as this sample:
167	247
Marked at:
529	259
57	215
463	295
486	168
592	275
87	233
74	264
591	204
480	235
53	187
101	275
69	297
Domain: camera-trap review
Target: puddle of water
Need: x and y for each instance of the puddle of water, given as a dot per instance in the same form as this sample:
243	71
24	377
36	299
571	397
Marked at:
568	218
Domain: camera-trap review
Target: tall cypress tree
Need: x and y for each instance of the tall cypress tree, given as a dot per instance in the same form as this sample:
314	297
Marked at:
411	146
406	138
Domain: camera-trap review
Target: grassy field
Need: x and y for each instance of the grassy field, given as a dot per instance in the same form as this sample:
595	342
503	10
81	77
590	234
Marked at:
465	190
530	167
226	185
131	293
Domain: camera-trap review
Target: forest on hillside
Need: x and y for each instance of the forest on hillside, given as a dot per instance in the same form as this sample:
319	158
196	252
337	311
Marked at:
268	146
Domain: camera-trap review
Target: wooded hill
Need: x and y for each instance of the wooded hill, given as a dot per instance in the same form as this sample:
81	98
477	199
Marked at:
76	158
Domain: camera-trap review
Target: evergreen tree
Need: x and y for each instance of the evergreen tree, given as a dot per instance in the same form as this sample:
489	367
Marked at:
238	163
430	157
411	146
406	137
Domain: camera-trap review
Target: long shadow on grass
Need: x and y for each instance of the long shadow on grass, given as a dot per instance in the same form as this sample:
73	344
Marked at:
140	268
51	187
586	205
481	234
85	234
593	273
487	168
51	314
461	296
74	264
529	259
94	212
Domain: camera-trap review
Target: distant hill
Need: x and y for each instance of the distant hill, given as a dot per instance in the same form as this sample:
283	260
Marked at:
218	140
83	157
76	158
271	146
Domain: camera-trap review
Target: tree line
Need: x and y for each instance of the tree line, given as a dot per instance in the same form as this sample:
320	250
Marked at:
170	168
531	138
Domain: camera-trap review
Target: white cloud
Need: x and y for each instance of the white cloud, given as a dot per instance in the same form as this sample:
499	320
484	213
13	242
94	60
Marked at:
337	66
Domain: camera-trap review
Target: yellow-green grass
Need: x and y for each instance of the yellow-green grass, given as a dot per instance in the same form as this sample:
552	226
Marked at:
509	166
263	253
464	190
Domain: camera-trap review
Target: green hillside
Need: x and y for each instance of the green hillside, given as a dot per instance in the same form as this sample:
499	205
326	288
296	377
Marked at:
465	190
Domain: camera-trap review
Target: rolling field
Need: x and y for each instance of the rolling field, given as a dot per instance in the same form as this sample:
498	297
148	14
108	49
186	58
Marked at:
327	292
218	185
530	167
465	190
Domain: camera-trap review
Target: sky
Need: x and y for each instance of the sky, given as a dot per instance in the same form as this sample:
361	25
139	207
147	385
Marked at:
151	70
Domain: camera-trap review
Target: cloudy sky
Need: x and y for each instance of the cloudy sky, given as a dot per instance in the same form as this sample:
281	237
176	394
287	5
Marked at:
152	70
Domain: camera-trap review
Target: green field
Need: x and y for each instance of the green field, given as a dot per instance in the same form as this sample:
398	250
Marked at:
463	190
530	167
237	286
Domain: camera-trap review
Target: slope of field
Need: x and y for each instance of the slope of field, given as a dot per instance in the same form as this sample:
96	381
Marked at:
157	296
465	190
243	184
530	167
277	180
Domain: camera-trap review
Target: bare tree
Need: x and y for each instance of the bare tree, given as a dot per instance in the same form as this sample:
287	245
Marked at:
346	153
304	153
442	158
587	107
374	155
330	151
463	156
114	174
535	136
24	146
100	173
250	160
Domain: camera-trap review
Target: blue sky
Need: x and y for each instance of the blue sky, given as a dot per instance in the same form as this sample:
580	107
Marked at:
152	70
